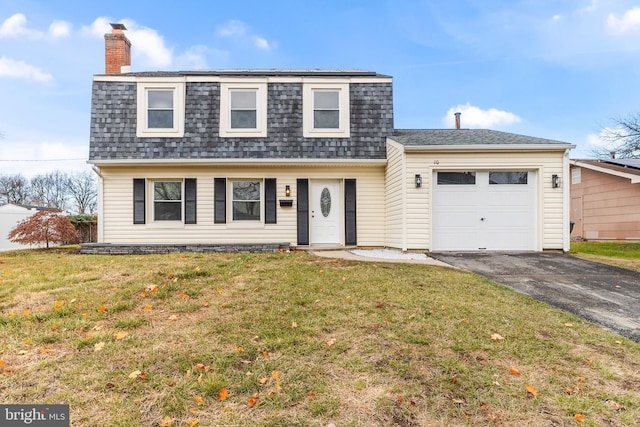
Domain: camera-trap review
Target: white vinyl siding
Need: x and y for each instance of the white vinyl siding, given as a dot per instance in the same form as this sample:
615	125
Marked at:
394	198
118	224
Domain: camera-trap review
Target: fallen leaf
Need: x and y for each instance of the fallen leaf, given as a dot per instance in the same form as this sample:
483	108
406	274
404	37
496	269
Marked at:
193	423
143	294
199	366
98	346
142	375
239	349
253	400
275	374
294	324
102	308
413	403
310	395
220	290
173	317
569	325
166	422
278	386
263	380
205	304
1	363
26	312
399	398
199	399
497	337
579	418
134	374
331	342
151	288
348	298
514	371
200	380
120	335
58	305
222	394
531	389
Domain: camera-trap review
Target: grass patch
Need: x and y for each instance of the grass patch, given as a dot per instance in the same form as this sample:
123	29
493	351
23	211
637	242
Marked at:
298	340
619	254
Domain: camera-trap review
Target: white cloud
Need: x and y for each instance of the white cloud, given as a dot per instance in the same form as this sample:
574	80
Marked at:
630	21
475	117
599	141
98	28
556	17
22	70
239	31
588	9
60	29
16	26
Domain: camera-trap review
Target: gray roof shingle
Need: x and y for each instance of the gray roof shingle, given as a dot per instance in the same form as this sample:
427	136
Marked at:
436	137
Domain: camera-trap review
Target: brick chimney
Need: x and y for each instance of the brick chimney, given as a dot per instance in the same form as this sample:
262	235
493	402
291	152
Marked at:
117	51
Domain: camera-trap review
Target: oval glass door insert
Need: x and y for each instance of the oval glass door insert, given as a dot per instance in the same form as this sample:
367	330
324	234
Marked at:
325	202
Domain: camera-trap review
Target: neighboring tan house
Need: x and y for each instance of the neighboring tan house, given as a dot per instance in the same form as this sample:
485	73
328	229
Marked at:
242	158
10	216
605	199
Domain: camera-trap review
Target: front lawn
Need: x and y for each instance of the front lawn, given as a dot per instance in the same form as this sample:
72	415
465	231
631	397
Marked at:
289	339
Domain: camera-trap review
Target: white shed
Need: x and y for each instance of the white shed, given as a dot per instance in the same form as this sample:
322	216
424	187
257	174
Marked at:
10	216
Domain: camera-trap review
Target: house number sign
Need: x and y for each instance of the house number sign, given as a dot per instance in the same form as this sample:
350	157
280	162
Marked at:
325	202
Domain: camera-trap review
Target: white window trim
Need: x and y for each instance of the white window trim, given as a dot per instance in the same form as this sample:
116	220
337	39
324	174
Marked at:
152	205
261	110
177	131
344	131
244	222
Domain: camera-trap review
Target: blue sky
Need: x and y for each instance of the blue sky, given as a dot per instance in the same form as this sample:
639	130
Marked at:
554	69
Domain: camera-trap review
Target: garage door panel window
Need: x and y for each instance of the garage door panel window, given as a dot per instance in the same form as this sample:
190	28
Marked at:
456	178
515	178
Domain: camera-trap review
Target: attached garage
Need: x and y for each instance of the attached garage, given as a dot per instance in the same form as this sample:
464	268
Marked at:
472	189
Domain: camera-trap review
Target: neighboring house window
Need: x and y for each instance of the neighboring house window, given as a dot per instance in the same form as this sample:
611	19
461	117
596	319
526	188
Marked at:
576	175
160	110
326	110
246	196
167	201
243	109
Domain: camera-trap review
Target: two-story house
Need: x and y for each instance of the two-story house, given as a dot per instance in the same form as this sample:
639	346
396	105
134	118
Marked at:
247	159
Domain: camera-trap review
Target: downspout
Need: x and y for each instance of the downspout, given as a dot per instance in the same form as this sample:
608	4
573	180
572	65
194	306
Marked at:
566	237
97	171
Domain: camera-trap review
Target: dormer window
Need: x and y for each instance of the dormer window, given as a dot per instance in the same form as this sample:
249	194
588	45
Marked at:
160	110
243	109
326	110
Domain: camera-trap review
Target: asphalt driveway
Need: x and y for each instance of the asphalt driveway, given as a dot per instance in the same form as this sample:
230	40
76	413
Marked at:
605	295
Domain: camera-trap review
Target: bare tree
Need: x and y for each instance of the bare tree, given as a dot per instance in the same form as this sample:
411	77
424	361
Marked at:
14	189
82	191
50	190
623	137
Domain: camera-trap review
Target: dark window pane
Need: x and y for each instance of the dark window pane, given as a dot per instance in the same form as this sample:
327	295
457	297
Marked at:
323	119
456	178
246	190
167	211
508	177
162	99
160	119
171	190
243	119
246	211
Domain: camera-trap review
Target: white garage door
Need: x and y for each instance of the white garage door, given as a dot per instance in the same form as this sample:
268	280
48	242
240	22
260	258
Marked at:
492	210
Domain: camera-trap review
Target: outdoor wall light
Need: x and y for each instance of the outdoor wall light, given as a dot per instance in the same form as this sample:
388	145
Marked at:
418	181
287	190
555	181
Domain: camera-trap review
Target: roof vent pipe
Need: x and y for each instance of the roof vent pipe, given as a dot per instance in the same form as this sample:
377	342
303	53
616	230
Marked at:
458	120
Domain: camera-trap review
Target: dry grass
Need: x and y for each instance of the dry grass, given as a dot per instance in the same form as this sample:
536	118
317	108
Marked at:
317	341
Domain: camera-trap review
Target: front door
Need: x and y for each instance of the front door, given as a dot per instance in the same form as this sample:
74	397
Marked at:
325	212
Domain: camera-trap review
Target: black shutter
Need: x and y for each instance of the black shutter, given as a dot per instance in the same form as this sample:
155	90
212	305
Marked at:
220	200
350	237
138	200
270	201
190	201
303	211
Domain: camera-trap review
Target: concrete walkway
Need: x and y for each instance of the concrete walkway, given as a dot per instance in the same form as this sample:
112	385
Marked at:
606	295
346	254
